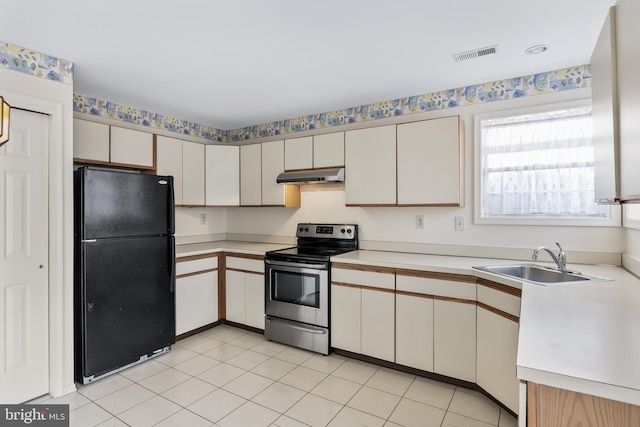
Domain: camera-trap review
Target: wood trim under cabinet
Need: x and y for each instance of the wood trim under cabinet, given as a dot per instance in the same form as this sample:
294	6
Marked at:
500	313
241	255
361	267
195	273
371	288
195	257
436	275
500	287
259	273
222	288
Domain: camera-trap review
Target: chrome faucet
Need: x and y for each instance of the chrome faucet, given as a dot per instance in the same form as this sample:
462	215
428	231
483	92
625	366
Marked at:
560	260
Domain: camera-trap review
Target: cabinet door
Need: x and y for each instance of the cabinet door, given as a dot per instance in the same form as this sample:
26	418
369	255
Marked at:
90	141
378	324
222	171
328	150
628	46
169	162
370	166
604	114
132	148
298	153
192	173
414	331
497	347
251	175
196	301
235	294
254	303
430	162
346	318
454	339
272	166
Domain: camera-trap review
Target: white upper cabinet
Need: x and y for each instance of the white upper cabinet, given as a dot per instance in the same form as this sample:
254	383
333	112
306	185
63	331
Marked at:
606	138
169	162
101	144
370	166
328	150
90	141
251	175
298	153
272	166
274	194
222	175
132	148
628	56
430	170
193	175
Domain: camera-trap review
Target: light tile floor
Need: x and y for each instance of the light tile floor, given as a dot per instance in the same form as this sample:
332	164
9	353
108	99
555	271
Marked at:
230	377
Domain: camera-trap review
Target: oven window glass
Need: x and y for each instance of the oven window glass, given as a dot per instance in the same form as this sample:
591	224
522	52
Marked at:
295	288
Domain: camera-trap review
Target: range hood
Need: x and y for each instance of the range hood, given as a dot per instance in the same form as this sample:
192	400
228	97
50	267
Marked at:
312	176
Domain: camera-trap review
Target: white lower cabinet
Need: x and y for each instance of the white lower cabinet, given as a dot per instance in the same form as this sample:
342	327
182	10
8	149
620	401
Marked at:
378	314
196	293
454	339
244	291
254	300
414	331
363	312
497	342
235	294
497	352
346	318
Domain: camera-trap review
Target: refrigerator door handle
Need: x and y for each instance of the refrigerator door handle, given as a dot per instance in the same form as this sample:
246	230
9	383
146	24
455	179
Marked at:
172	263
172	209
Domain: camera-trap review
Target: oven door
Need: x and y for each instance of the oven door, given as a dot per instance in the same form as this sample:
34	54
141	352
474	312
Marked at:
297	291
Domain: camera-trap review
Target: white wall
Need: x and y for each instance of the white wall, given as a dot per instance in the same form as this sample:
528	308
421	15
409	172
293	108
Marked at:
397	224
188	221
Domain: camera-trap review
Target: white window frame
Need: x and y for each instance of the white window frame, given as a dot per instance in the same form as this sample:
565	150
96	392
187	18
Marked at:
613	219
632	216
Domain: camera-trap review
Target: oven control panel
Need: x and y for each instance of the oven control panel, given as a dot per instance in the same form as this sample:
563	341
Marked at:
330	231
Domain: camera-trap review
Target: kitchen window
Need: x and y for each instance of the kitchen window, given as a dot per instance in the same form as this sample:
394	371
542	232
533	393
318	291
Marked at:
535	166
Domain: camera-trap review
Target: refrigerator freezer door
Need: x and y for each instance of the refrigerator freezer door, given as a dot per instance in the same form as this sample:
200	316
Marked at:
126	301
122	204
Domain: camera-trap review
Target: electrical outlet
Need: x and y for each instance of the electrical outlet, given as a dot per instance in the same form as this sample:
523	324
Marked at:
459	223
203	219
419	221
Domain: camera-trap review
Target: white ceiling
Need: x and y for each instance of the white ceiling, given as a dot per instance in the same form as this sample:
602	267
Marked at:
242	62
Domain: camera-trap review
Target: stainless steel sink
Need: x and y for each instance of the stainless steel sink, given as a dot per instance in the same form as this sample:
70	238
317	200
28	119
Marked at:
540	275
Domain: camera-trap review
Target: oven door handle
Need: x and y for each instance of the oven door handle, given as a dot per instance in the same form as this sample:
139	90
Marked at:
307	329
300	264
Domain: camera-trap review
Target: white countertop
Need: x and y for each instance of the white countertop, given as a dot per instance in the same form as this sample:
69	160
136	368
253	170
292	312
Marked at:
580	337
228	246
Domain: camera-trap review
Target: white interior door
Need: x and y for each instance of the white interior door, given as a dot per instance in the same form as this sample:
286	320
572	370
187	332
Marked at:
24	287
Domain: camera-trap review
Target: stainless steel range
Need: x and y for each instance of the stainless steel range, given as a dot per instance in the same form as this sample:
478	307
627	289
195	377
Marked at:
297	285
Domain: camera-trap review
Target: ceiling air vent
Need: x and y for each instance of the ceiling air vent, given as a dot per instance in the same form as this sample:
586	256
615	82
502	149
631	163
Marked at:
476	53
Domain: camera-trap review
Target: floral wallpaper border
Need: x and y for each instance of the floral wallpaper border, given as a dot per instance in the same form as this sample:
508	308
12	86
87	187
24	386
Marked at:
37	64
535	84
110	110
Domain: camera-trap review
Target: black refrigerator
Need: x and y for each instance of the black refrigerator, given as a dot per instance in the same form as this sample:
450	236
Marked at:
124	270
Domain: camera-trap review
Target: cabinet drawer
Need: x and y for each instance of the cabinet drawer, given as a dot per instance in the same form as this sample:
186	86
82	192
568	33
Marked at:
501	300
437	287
195	265
246	264
363	278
